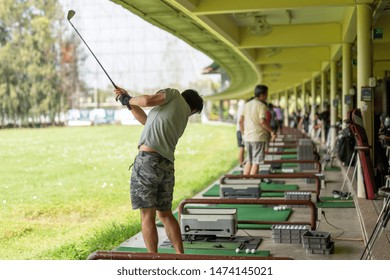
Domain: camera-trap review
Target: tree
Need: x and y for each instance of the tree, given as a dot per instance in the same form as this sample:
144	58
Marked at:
33	74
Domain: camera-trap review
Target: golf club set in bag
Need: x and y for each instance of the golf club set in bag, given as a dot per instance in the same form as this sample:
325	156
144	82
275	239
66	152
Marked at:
124	98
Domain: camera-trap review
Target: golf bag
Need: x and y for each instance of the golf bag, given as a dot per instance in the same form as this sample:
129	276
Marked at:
345	146
356	125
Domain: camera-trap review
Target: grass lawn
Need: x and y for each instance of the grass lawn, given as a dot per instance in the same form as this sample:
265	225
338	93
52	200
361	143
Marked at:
64	192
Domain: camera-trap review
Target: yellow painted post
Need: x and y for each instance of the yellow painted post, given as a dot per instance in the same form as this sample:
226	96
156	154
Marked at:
364	64
347	79
304	98
333	109
295	94
313	94
286	108
322	107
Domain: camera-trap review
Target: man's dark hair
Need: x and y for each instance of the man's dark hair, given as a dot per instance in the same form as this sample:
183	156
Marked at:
260	89
193	99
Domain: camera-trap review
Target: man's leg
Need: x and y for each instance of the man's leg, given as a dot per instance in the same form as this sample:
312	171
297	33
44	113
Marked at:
241	156
149	229
241	149
254	169
248	164
258	157
247	168
172	230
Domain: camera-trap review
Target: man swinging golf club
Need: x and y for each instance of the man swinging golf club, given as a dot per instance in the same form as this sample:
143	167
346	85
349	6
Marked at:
152	178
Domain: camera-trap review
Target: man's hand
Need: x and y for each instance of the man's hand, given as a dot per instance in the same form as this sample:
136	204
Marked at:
123	97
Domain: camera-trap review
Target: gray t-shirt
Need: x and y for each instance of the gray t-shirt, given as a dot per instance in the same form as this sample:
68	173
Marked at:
165	124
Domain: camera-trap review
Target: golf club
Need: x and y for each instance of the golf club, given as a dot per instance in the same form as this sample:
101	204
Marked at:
71	14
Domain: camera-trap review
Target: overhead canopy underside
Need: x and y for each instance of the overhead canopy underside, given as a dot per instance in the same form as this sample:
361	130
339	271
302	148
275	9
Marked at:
279	43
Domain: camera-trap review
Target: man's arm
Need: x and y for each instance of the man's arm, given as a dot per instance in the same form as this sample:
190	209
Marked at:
267	127
143	101
148	100
241	122
139	114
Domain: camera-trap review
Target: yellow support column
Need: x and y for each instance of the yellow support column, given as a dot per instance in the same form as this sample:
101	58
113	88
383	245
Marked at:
322	107
333	89
313	94
296	105
295	94
304	99
286	108
363	74
347	79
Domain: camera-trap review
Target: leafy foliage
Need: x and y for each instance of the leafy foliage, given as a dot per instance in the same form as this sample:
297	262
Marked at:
32	68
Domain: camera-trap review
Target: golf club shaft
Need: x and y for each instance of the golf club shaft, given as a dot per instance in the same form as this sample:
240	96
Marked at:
115	86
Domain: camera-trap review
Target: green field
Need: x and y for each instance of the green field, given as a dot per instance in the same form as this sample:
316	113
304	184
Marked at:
64	192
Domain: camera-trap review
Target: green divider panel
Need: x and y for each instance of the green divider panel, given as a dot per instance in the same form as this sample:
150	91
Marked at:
211	251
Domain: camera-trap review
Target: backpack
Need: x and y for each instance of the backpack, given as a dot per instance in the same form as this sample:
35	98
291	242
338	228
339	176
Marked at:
273	123
345	146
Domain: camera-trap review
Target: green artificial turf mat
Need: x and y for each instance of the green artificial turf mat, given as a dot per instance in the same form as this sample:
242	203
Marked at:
272	194
219	252
251	213
332	168
289	165
261	214
331	198
331	202
290	150
212	191
276	187
289	156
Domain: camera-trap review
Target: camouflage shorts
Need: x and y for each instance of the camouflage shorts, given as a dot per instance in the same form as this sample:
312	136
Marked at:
152	181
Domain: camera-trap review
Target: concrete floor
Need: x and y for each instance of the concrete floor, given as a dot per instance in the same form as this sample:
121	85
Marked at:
349	227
